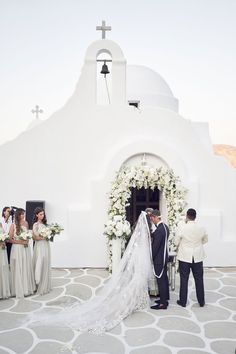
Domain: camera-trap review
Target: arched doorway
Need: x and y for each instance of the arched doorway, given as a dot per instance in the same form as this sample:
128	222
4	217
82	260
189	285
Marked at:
140	200
141	178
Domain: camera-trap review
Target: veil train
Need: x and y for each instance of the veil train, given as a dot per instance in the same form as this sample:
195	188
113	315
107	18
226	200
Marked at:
125	292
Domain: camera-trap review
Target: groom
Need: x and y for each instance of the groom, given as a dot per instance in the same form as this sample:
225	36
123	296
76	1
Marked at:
160	258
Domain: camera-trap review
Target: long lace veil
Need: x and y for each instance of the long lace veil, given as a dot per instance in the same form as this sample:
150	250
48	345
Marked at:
125	292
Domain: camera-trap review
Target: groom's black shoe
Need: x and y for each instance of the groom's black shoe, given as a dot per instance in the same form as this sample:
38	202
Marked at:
159	307
158	302
180	303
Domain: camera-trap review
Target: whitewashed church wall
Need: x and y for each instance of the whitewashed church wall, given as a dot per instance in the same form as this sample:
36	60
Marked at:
70	160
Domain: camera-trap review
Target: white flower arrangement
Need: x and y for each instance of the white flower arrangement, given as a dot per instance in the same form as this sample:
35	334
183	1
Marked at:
55	229
25	236
49	231
3	238
117	227
139	177
46	233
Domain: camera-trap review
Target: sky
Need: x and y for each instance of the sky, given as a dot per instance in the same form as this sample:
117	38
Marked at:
190	43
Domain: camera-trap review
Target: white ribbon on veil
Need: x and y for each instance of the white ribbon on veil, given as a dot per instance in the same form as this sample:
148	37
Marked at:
125	292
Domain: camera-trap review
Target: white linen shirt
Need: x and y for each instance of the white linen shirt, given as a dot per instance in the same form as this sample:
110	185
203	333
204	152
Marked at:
6	225
189	239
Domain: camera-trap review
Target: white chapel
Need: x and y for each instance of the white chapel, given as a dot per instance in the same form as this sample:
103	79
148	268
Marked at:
113	119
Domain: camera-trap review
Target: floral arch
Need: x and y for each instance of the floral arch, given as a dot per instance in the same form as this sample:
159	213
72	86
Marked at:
148	177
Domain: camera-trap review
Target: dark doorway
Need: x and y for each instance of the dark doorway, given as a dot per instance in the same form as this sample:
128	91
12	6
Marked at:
140	200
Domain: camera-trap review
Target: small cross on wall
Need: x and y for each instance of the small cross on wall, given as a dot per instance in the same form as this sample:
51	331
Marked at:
103	28
36	111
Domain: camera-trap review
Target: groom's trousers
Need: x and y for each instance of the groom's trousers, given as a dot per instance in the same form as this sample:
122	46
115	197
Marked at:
197	270
163	283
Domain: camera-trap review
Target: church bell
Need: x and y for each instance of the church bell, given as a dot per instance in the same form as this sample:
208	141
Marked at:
105	70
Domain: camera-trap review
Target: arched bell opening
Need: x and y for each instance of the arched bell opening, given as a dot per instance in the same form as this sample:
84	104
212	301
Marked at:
104	78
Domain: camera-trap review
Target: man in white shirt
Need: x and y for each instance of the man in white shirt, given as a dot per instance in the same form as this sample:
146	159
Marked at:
189	239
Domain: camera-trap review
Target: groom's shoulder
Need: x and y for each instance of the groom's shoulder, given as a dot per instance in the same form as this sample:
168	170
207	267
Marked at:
164	225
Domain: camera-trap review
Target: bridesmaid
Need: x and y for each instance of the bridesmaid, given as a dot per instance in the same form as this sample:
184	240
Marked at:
22	279
4	270
42	254
6	223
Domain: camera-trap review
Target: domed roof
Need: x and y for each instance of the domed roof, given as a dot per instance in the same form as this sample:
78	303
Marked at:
149	87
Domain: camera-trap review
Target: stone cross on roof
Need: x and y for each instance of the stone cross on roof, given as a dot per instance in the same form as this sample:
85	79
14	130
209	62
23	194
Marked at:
103	28
36	111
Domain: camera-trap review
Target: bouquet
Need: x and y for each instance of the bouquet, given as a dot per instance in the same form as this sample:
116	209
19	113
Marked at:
3	238
55	229
46	233
25	235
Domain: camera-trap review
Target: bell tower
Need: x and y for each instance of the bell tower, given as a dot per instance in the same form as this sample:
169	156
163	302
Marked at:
114	65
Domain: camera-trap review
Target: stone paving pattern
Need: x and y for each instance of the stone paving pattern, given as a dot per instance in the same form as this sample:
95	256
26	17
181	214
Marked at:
190	330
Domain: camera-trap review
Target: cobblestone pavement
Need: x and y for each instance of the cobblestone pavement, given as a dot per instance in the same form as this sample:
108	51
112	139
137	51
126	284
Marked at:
190	330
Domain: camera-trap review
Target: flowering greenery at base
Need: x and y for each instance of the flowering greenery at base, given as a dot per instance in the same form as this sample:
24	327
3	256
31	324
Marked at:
138	177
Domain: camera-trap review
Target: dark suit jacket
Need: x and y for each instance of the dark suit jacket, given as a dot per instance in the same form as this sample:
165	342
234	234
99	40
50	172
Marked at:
158	246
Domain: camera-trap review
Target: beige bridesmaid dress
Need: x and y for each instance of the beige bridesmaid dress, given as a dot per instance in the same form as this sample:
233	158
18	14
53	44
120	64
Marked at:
41	262
22	278
4	272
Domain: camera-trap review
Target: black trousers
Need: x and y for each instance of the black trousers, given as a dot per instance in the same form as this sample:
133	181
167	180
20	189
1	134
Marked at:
9	245
163	283
197	270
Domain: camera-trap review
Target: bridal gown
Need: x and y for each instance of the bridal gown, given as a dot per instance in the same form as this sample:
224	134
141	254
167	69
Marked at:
41	262
124	293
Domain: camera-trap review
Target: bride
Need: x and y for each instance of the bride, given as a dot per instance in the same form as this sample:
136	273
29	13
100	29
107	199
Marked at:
124	293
